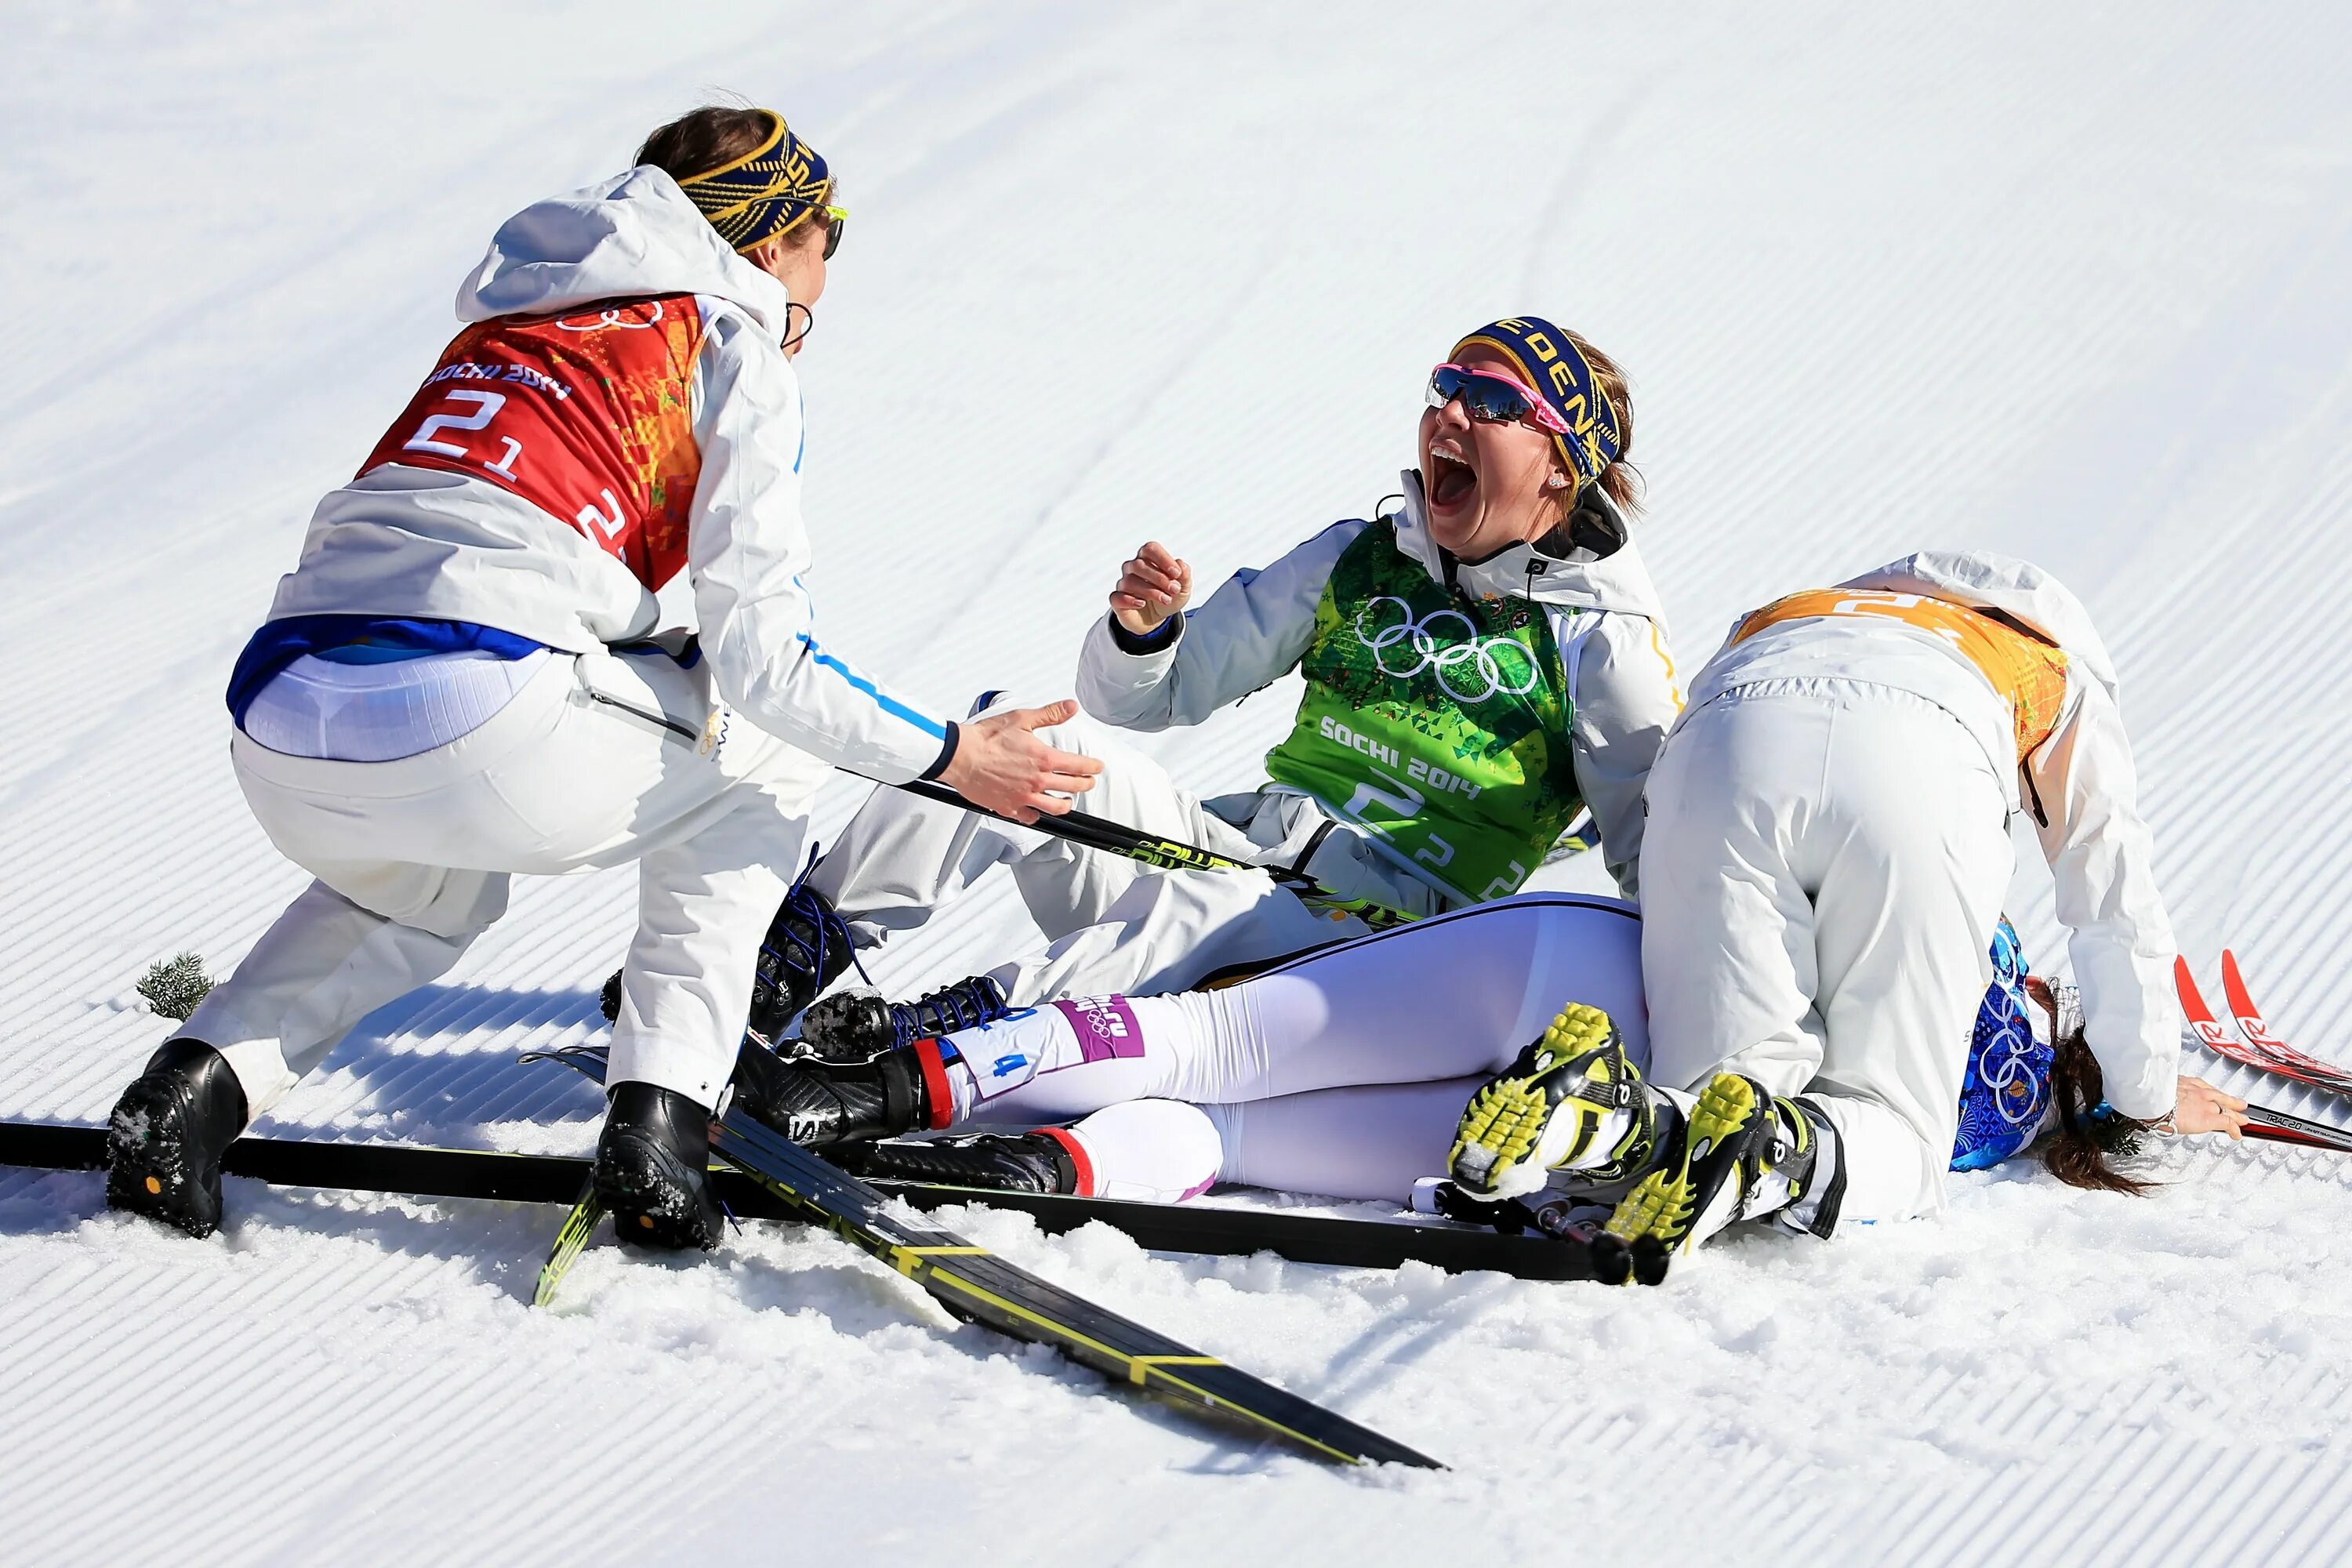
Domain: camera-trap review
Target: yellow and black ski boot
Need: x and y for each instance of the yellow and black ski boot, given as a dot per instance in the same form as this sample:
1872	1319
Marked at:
1572	1102
1742	1154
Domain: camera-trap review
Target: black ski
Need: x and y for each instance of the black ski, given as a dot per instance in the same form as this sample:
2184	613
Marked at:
1200	1228
580	1224
980	1287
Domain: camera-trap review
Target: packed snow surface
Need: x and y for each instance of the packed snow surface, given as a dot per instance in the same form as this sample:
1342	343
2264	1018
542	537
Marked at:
2069	282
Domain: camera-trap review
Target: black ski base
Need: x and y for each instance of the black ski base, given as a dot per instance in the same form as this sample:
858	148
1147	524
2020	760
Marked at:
557	1179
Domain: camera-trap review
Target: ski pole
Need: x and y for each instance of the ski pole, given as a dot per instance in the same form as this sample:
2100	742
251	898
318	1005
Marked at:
2278	1127
1151	848
1118	838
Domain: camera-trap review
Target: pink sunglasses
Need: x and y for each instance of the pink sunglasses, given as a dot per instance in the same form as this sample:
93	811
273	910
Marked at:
1493	396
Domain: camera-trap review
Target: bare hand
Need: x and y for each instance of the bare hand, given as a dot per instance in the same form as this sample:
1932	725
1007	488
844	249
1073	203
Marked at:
1152	587
1000	766
2201	1108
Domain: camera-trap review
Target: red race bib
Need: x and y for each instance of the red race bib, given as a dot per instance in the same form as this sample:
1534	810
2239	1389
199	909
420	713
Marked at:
587	416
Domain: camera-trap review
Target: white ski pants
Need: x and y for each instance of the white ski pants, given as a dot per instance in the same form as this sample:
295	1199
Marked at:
599	760
1823	865
1114	925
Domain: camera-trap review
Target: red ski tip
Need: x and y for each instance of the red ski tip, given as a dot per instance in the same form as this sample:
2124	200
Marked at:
2208	1029
2242	1004
2265	1049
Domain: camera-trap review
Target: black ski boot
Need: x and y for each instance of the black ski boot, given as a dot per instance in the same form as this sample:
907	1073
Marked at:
1024	1163
164	1140
806	949
653	1163
816	1103
853	1026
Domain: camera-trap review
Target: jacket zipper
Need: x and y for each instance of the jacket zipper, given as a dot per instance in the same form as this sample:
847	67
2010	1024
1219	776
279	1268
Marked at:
690	736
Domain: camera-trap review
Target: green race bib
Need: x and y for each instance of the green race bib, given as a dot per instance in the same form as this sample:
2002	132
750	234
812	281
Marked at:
1438	722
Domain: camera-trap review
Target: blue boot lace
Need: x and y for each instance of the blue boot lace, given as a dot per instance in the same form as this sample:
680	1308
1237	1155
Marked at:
794	953
966	1004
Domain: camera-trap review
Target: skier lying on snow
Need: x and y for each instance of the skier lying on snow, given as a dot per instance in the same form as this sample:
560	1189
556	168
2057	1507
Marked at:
1480	666
1345	1072
1827	850
459	680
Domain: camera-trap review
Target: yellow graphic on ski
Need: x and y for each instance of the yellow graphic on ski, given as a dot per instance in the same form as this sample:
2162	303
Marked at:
577	1228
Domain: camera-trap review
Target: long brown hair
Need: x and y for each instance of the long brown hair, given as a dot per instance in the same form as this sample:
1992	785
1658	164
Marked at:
2083	1151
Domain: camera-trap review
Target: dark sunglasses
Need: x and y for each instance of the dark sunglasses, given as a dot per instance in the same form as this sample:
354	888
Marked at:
1490	396
833	219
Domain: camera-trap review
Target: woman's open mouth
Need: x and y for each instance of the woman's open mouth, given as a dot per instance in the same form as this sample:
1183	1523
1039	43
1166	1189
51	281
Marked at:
1452	480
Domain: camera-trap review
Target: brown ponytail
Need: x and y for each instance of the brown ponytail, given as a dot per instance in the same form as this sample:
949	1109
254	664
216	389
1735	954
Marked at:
2082	1151
1621	481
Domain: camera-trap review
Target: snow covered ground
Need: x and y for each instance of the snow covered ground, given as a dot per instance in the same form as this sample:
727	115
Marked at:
2071	281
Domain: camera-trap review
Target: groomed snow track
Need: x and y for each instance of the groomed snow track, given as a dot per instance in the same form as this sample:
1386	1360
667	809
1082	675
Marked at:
2069	281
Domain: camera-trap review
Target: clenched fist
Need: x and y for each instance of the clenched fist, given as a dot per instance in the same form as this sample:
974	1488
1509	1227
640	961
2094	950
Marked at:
1152	587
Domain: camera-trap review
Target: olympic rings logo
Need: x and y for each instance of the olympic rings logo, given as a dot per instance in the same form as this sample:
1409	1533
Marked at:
610	316
2005	1068
1428	652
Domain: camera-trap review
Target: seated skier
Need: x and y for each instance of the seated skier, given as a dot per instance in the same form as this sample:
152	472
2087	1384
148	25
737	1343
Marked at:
1480	666
461	679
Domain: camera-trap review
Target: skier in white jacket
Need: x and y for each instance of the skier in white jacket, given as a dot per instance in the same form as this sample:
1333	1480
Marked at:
1827	854
467	676
1482	664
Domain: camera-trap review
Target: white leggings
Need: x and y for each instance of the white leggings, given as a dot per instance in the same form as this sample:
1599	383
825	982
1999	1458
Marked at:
1342	1072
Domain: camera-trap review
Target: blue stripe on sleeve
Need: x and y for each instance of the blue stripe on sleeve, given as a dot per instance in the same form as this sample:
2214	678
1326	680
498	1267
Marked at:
891	706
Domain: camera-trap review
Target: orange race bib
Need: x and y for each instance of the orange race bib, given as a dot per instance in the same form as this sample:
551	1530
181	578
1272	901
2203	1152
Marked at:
587	416
2027	671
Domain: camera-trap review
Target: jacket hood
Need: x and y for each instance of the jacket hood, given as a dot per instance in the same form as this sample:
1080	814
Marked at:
633	235
1983	580
1618	582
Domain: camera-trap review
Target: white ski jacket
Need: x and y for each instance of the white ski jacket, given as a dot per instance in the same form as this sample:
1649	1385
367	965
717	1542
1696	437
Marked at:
401	541
2080	784
1605	613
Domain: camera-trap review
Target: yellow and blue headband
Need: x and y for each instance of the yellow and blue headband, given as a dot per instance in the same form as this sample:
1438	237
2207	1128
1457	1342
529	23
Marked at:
1563	378
767	192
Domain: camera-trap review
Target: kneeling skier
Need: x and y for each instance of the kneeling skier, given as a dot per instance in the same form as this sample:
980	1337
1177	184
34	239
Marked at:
1828	851
460	680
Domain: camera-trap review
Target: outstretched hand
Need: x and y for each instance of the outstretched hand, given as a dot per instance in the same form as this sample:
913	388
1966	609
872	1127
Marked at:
1152	587
2201	1108
1000	766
